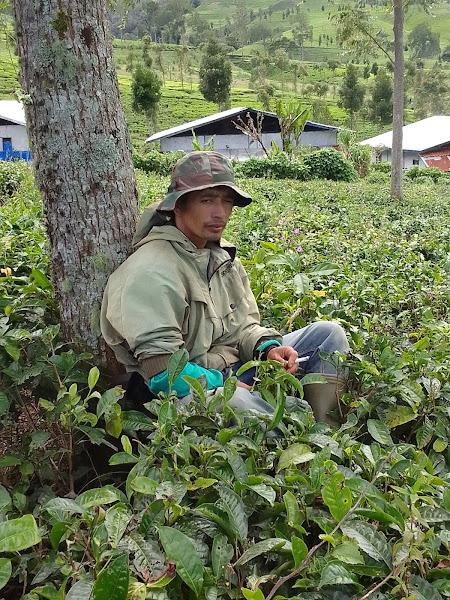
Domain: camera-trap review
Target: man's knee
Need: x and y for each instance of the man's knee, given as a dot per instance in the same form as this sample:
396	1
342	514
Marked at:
332	335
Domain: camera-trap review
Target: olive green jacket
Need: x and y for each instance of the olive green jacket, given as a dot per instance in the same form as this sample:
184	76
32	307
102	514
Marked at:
169	294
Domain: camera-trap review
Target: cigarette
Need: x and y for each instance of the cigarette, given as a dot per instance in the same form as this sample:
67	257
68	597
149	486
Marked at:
304	359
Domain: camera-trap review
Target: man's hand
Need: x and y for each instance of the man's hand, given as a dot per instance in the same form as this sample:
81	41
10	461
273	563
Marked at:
243	385
285	355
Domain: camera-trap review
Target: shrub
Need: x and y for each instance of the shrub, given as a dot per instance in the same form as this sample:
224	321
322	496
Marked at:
417	172
278	167
12	174
329	164
382	167
157	162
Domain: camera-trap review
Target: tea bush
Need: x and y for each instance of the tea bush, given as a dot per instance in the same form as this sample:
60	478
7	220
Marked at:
202	502
279	166
329	164
153	161
12	174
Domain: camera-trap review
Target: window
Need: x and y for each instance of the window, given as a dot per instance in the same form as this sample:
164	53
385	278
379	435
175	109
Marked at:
415	161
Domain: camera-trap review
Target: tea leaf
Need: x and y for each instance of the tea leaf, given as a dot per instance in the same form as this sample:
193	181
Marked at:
337	496
294	455
379	431
5	571
19	534
222	553
113	580
235	509
177	362
399	415
116	521
182	551
260	548
370	540
336	574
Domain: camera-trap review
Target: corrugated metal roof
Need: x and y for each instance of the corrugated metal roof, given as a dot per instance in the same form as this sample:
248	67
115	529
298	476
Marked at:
13	111
224	114
417	136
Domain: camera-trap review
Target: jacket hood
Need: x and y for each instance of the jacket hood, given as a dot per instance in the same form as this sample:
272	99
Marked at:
150	218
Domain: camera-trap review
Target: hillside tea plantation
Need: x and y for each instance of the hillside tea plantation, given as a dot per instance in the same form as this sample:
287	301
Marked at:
201	503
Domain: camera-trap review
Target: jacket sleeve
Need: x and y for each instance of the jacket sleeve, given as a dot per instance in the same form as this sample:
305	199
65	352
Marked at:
252	333
144	307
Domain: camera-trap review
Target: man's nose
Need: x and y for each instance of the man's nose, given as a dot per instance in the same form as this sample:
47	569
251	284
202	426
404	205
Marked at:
219	210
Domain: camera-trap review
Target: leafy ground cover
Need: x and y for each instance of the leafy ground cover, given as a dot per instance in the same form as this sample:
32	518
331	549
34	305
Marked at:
205	503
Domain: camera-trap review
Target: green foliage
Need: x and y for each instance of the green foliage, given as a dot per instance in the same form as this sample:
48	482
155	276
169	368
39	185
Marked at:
154	161
351	93
329	164
201	501
215	74
279	166
423	42
12	174
146	90
417	172
380	104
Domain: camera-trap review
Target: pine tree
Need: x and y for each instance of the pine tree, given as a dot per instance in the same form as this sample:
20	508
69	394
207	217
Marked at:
146	91
215	74
351	93
380	105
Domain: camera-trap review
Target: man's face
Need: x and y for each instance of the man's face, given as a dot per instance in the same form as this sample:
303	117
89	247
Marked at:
202	215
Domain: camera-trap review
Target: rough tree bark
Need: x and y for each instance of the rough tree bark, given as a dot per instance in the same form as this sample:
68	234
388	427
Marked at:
398	106
81	154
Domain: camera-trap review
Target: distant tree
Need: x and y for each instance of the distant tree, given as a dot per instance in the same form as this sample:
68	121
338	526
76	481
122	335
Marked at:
320	40
431	92
146	93
159	50
259	31
199	27
332	64
265	93
351	93
302	31
374	69
423	42
215	74
146	58
446	54
182	56
281	61
380	105
130	60
366	72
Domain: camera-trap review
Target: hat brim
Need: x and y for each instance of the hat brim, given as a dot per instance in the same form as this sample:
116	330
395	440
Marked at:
168	203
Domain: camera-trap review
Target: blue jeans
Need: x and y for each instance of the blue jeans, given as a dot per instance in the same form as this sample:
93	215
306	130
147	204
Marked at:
310	341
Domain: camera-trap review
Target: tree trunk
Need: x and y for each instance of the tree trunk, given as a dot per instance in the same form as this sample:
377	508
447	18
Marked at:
397	121
81	154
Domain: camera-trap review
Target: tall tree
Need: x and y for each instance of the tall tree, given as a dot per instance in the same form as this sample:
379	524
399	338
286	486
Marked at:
351	93
356	31
423	43
303	31
81	153
380	104
146	92
215	74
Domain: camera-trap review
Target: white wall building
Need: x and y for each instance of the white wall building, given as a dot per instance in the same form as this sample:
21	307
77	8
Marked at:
419	139
232	142
13	131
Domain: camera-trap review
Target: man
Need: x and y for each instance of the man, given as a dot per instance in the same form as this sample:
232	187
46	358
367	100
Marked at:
184	288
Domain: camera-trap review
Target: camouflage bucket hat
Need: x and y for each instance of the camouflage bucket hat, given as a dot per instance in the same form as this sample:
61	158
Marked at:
198	171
